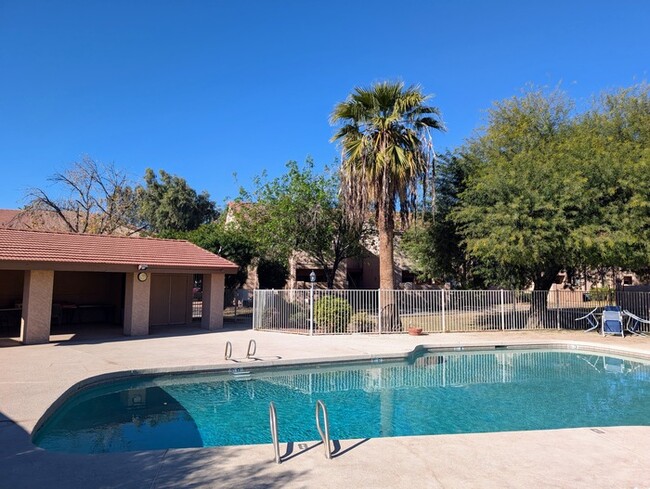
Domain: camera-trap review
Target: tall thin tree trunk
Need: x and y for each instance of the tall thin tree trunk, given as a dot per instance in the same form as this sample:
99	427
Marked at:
540	316
385	226
389	308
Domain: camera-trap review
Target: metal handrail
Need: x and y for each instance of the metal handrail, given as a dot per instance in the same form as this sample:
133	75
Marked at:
325	436
273	420
228	353
252	348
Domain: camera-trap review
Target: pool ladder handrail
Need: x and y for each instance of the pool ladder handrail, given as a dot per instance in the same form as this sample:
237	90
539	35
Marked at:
273	420
252	349
325	435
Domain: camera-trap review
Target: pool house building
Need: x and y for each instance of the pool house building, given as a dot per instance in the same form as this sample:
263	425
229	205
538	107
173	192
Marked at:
77	281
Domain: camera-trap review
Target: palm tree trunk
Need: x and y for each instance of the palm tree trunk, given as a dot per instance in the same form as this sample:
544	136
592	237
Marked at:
389	311
386	230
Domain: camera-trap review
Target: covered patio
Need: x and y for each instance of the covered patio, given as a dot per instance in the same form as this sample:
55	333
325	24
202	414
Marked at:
63	283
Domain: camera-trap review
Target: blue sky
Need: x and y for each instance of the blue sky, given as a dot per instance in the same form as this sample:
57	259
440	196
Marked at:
205	89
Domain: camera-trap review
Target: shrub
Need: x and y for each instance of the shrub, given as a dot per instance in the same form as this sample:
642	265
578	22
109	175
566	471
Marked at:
523	296
361	322
276	312
600	294
332	314
299	320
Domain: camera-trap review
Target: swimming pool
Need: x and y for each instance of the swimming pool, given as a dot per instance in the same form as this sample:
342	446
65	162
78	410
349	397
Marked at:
426	394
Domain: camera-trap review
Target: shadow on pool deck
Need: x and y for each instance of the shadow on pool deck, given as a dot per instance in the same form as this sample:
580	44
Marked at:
25	466
106	333
111	333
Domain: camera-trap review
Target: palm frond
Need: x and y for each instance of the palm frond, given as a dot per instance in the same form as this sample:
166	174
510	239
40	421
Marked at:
386	146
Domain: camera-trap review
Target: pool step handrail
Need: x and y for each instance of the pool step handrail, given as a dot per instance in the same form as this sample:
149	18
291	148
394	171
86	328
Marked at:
228	353
252	348
273	420
324	434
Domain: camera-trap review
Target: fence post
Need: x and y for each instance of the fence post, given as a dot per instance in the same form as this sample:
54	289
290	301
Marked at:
557	307
256	315
503	313
311	310
379	310
442	301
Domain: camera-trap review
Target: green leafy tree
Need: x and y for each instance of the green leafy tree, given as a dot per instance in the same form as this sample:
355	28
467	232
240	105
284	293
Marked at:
387	155
611	151
517	209
170	204
228	242
433	243
300	211
549	189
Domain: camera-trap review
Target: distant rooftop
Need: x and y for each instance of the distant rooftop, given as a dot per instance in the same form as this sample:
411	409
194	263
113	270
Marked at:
45	220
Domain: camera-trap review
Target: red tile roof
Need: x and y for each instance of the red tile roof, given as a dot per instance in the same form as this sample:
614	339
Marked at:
93	249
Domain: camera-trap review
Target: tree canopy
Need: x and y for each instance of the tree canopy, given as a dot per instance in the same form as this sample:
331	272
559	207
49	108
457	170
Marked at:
226	241
433	242
300	211
170	204
611	151
545	188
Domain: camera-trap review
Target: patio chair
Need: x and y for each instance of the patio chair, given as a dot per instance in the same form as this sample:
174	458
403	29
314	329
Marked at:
592	322
634	323
612	321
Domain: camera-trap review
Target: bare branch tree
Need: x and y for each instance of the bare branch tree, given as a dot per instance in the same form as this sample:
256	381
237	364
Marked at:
92	198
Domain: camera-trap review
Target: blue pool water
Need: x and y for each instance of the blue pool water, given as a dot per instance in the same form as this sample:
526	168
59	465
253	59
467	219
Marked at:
427	394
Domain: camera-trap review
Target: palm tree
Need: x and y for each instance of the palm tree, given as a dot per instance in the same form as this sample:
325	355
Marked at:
387	155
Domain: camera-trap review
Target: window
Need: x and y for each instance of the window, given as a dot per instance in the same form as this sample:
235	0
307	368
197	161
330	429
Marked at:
302	275
408	276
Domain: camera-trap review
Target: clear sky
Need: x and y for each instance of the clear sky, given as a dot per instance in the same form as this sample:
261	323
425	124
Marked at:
204	89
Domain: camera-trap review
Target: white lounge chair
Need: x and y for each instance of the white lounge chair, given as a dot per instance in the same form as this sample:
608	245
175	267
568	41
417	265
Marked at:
592	322
634	323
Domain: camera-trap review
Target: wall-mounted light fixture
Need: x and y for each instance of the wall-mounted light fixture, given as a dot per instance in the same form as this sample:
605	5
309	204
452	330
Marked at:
143	267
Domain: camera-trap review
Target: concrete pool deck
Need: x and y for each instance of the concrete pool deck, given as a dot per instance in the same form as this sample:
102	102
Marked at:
33	377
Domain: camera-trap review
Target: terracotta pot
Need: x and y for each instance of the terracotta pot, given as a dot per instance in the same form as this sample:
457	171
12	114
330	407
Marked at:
415	331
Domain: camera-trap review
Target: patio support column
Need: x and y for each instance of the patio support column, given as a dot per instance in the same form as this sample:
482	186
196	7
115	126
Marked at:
37	306
136	305
213	289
